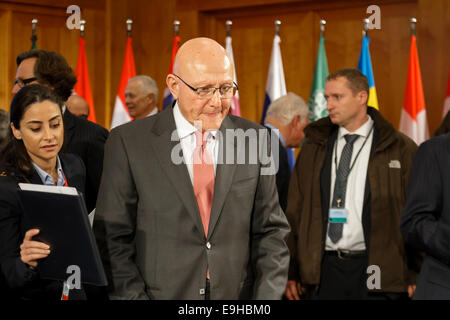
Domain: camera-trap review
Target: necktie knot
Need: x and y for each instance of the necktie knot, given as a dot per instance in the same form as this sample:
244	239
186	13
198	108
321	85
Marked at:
351	138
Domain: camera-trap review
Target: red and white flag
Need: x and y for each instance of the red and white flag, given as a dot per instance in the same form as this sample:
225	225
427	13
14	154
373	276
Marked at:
447	99
413	120
121	115
235	108
83	85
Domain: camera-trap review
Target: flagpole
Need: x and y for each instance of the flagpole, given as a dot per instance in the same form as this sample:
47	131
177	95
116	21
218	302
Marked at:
365	27
229	23
277	27
322	24
176	27
413	22
33	33
82	23
129	27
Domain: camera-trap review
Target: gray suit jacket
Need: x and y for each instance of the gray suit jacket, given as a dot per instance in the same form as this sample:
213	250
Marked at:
149	230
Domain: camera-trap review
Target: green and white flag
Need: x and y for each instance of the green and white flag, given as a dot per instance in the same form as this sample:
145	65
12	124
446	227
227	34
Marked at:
317	103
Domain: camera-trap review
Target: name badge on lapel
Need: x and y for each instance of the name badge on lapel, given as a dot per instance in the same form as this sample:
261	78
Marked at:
337	215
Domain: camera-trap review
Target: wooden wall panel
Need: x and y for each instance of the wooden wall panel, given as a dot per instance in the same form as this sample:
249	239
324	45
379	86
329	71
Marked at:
252	33
52	34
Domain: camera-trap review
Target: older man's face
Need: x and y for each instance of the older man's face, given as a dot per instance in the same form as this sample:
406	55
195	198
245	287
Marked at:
202	67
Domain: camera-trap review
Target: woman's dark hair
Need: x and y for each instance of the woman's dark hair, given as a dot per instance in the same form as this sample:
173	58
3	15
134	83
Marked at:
14	159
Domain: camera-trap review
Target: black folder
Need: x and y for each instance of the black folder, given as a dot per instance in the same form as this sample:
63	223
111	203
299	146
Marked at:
62	219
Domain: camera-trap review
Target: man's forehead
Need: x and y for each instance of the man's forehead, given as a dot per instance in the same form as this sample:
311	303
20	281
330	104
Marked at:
26	67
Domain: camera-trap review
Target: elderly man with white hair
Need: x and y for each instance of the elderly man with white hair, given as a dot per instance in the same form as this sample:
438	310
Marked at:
289	114
141	95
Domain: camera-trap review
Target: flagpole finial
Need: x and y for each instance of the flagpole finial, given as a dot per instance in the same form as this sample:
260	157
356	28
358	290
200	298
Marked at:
365	26
176	27
277	27
322	23
33	32
413	22
229	23
82	23
129	26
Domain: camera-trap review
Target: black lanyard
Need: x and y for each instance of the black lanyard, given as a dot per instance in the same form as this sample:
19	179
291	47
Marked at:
354	161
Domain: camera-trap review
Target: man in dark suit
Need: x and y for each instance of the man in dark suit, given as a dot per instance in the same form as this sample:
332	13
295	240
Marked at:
289	115
175	221
81	137
425	221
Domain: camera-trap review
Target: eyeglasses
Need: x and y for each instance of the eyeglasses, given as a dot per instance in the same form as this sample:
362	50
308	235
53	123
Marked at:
23	82
226	91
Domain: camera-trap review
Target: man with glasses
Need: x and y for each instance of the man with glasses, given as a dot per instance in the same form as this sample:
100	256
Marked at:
81	137
174	221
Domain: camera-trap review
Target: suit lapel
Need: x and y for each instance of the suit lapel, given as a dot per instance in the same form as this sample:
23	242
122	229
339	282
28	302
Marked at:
224	175
69	126
177	173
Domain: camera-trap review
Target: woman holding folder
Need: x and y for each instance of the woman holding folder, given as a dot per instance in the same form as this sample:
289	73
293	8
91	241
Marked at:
31	155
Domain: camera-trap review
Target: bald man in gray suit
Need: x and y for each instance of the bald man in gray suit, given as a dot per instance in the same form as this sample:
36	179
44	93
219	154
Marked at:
156	238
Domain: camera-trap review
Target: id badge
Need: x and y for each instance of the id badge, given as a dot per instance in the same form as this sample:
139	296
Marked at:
337	215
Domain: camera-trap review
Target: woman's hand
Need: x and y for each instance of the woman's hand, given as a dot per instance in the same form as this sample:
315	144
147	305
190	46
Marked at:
31	251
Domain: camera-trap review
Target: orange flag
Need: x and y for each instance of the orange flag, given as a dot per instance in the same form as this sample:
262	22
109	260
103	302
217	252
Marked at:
83	85
413	121
121	115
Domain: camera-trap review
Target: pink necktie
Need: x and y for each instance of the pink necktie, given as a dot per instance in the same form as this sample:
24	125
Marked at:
203	179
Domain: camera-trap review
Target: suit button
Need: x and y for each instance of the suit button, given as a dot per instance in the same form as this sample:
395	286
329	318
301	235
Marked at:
208	246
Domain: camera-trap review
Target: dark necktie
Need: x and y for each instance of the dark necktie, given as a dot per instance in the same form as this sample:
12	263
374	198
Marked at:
340	185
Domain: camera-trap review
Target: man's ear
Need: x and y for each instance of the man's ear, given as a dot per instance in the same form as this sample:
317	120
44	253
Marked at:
172	84
364	97
16	133
151	98
295	121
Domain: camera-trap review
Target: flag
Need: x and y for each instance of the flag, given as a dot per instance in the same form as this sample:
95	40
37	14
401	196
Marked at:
447	99
365	66
413	120
83	85
168	98
120	115
234	109
276	87
317	103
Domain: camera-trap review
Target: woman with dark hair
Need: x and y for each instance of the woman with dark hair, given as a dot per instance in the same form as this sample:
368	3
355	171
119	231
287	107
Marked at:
31	155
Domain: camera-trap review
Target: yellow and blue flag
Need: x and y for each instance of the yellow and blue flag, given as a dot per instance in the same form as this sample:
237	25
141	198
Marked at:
365	66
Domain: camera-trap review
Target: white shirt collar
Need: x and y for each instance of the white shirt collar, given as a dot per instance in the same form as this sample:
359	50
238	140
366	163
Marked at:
362	131
153	112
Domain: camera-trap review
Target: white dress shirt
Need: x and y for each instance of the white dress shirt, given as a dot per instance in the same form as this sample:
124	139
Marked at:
352	232
186	133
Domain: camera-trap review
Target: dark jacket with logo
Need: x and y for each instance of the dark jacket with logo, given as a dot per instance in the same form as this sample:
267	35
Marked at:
385	194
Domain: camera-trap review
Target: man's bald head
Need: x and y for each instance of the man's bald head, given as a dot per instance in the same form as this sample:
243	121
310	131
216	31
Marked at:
201	63
200	55
78	106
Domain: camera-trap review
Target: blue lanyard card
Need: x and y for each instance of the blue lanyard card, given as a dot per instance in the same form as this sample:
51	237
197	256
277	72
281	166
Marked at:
337	215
